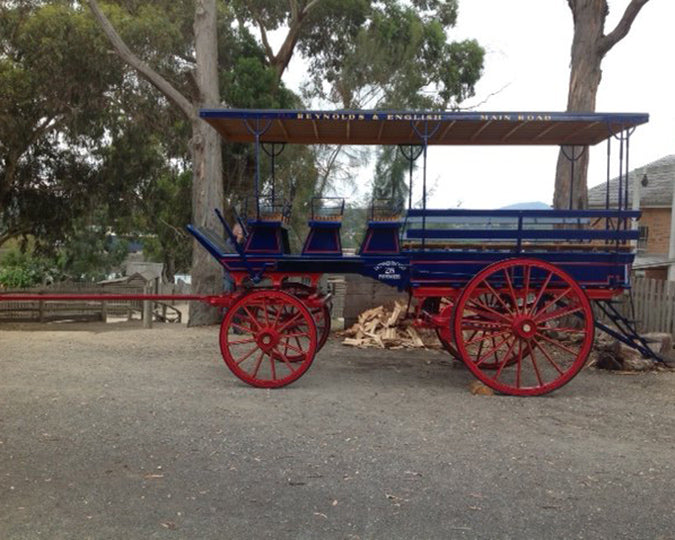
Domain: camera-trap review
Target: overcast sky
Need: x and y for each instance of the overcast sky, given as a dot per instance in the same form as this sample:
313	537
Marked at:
527	64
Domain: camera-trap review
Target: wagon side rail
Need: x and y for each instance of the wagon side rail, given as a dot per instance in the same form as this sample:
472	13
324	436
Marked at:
518	230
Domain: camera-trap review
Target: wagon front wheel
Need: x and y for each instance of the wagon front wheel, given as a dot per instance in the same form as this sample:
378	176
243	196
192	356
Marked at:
523	327
268	338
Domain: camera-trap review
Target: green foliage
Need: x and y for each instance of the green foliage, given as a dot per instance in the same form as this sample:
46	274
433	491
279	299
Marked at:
353	226
390	53
82	135
19	270
90	253
391	175
54	72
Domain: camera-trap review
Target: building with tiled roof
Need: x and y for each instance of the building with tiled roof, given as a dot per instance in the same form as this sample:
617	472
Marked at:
657	180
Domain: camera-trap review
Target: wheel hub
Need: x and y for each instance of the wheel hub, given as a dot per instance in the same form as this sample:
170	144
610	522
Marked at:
267	339
524	327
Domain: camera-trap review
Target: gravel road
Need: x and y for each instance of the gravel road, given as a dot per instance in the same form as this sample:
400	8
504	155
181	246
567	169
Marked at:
113	431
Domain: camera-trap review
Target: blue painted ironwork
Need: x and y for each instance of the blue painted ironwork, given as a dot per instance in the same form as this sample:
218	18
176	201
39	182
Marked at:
573	159
275	150
410	152
257	131
627	332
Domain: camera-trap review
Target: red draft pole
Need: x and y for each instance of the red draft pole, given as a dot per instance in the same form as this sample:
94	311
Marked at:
221	300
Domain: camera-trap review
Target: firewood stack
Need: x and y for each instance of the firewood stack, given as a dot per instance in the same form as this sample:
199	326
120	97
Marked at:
388	329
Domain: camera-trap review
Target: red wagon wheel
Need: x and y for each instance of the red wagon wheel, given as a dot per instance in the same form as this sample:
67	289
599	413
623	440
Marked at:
539	336
260	334
446	338
444	333
321	314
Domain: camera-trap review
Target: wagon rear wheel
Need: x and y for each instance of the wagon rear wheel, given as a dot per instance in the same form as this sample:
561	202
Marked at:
268	338
321	314
523	327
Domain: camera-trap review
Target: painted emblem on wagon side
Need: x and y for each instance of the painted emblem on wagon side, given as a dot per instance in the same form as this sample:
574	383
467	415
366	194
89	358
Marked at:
389	270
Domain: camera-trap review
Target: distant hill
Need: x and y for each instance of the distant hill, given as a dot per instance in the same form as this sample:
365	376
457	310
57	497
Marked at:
537	205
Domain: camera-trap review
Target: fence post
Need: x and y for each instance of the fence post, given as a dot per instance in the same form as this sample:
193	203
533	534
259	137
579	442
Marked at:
147	310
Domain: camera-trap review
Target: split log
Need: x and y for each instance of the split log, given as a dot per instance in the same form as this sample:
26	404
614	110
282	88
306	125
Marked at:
388	329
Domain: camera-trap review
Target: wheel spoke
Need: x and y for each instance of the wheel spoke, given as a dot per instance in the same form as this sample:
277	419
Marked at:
507	357
541	292
482	308
242	341
284	359
519	362
484	337
526	285
246	329
301	334
267	319
548	357
288	322
564	330
534	364
494	349
251	317
557	344
254	349
482	326
498	297
513	293
293	347
562	312
273	368
554	301
278	315
257	364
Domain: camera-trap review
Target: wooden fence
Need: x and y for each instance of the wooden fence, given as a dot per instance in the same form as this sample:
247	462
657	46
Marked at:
88	310
80	310
654	301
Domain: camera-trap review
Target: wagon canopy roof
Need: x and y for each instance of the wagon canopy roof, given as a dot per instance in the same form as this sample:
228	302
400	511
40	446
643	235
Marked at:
407	127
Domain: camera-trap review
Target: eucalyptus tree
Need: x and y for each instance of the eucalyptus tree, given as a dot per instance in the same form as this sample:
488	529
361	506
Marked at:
200	74
396	55
188	76
590	45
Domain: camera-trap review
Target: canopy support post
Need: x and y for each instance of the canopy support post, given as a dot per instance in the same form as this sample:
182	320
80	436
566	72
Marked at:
572	159
425	136
275	149
623	137
410	152
257	132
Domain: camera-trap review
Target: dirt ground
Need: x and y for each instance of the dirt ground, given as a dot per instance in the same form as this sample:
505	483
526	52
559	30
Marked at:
114	431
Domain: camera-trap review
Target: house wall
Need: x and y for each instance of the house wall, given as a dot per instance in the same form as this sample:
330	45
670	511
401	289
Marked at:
658	222
660	272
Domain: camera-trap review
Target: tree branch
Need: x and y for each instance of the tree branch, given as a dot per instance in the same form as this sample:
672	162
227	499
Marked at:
294	9
139	65
622	28
281	60
263	35
309	6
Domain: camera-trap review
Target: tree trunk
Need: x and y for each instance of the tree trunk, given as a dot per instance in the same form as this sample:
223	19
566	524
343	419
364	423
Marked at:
585	75
589	47
207	182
